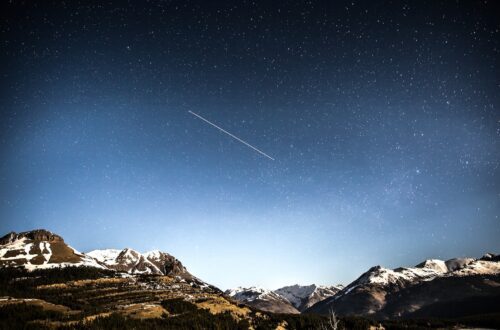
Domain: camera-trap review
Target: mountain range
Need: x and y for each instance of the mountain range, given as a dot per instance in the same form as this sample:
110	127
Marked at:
42	249
433	288
133	262
289	299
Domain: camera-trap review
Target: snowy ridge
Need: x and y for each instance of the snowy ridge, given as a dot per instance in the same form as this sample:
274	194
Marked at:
134	262
35	250
296	293
107	256
435	264
290	299
478	267
304	296
154	254
253	293
127	260
425	271
387	293
262	299
384	276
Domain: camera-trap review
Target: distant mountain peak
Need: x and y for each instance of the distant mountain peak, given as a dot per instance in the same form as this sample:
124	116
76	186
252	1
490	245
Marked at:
435	264
304	296
248	293
491	257
293	298
261	298
154	254
379	291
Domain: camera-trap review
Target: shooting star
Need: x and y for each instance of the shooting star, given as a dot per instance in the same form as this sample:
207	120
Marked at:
231	135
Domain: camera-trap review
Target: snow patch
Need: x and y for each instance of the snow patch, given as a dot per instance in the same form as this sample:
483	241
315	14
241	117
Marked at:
45	246
106	256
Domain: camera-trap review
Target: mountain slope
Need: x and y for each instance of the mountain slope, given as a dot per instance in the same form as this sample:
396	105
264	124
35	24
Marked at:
262	299
40	249
152	262
289	299
126	260
402	292
303	297
165	262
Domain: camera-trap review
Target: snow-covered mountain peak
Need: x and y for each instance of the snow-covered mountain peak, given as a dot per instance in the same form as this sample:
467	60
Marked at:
379	291
478	267
296	293
304	296
377	274
426	271
383	276
39	249
252	293
129	256
442	267
458	263
262	298
434	264
132	261
252	289
154	254
106	256
296	297
337	286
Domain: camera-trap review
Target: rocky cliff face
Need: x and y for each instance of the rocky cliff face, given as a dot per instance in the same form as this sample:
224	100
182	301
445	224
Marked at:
165	262
34	235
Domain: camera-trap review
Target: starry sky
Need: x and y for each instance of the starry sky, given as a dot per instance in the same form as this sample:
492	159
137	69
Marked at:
382	117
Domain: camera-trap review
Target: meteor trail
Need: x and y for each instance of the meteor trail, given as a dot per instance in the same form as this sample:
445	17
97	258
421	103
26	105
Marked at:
231	135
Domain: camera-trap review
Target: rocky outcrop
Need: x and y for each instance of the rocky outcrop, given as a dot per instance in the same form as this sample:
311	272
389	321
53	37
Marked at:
34	235
166	263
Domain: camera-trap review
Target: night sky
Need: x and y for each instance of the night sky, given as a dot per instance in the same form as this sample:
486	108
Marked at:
382	117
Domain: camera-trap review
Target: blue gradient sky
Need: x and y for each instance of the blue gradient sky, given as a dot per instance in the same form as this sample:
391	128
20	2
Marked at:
383	121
